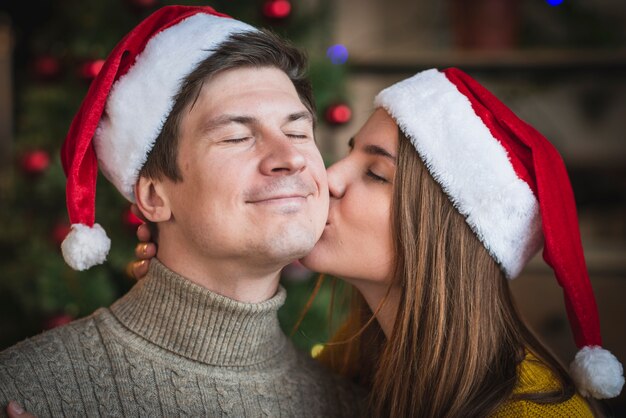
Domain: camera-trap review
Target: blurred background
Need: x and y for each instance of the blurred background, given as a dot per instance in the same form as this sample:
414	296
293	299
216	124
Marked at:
560	65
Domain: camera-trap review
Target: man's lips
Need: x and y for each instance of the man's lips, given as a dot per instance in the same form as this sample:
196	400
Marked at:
279	198
282	190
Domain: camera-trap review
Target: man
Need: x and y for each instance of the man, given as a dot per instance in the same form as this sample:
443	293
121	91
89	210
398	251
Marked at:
225	165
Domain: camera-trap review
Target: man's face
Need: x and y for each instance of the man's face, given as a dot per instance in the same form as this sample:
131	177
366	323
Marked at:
254	185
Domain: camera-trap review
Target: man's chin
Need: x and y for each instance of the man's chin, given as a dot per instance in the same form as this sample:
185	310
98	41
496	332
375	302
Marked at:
292	254
291	249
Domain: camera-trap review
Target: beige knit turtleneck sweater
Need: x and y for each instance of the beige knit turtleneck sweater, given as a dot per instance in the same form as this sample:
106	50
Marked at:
172	348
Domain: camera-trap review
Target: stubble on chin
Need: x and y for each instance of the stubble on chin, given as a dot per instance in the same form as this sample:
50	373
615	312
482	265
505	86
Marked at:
290	244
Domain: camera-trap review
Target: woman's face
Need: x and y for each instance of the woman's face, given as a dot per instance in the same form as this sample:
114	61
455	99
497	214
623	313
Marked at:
356	243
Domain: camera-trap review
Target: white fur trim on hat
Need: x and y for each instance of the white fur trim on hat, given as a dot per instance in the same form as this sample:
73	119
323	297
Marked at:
141	100
471	166
597	373
85	247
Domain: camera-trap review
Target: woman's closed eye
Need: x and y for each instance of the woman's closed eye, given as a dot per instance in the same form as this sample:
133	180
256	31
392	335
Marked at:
376	177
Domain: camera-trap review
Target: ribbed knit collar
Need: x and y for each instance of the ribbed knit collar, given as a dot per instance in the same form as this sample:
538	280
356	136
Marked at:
190	320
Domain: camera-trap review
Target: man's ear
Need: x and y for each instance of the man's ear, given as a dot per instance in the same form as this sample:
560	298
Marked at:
152	200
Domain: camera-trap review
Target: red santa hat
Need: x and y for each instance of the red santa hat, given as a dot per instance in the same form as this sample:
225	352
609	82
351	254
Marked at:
124	112
511	186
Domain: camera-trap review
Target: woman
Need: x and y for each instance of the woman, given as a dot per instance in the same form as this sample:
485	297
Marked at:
445	195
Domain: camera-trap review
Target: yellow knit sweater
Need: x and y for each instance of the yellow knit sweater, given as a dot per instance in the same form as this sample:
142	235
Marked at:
535	377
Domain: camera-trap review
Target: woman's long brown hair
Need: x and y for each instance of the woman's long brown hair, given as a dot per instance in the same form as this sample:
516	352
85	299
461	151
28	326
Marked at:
457	338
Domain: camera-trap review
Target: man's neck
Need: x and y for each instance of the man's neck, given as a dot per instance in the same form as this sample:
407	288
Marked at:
235	279
186	319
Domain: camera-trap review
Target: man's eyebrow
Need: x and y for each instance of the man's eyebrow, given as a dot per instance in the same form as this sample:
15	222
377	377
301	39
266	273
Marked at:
249	120
228	119
305	114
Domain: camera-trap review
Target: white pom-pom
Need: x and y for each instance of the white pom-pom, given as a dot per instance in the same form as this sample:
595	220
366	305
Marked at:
85	247
597	373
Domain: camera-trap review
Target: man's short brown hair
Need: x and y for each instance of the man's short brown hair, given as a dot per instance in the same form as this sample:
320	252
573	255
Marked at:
250	49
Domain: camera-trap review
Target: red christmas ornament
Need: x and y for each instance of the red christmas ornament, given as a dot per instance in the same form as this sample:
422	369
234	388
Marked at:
130	220
338	114
34	163
90	69
59	232
277	9
57	320
47	67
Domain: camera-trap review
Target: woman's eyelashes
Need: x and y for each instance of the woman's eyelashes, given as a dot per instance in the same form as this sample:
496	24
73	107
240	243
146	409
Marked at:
375	177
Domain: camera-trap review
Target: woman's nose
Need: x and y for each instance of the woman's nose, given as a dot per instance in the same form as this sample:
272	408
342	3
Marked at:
336	180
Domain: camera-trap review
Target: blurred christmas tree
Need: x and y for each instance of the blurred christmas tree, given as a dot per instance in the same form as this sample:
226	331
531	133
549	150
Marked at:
58	51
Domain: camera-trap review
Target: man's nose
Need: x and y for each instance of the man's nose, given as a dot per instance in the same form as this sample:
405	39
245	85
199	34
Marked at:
336	180
281	156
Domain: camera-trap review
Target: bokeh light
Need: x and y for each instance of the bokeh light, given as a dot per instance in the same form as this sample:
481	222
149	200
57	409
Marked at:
338	114
338	54
90	69
277	9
